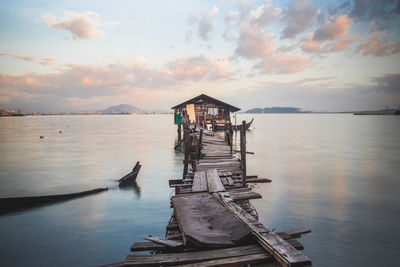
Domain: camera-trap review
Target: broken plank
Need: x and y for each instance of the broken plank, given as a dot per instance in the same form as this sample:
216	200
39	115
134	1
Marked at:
163	241
172	226
214	182
258	180
245	195
298	232
200	182
205	222
190	257
146	246
281	250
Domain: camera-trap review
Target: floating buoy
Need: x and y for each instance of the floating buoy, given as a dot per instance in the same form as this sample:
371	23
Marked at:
41	137
59	131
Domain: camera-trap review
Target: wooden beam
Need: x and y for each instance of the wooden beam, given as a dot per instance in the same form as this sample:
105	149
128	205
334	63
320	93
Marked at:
245	195
146	246
281	250
191	257
214	182
298	232
200	182
163	241
258	180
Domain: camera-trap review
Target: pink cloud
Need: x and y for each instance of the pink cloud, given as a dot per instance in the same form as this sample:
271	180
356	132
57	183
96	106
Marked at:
335	28
333	36
283	64
82	25
48	61
253	42
378	45
197	68
17	56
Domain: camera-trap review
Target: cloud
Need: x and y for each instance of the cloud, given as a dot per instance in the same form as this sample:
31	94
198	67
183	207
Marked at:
389	83
203	24
366	10
82	25
265	14
253	42
283	64
230	20
335	28
299	17
77	81
378	45
198	68
332	36
47	61
17	56
83	87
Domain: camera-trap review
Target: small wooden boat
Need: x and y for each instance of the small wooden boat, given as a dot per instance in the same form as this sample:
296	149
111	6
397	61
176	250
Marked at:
13	204
234	127
130	177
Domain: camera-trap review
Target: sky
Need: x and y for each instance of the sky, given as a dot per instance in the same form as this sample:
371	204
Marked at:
71	56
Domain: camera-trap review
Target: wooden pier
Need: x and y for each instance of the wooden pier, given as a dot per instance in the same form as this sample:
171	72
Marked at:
214	223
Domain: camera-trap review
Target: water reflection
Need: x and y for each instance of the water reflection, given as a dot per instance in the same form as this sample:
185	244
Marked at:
131	185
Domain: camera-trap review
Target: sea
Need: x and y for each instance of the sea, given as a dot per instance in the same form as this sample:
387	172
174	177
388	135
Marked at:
338	174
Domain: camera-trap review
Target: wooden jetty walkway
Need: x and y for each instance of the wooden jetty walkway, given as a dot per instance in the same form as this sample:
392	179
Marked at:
214	223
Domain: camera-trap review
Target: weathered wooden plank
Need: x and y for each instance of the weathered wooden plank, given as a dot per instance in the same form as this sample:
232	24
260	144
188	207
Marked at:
214	182
205	222
217	160
146	246
258	180
219	164
230	181
190	257
234	261
200	182
296	244
245	195
281	250
163	241
174	181
172	226
174	235
298	232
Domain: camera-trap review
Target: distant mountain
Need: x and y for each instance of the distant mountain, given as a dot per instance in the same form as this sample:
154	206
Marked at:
121	109
277	110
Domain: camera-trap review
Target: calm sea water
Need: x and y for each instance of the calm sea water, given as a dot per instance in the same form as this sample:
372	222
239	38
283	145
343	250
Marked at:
337	174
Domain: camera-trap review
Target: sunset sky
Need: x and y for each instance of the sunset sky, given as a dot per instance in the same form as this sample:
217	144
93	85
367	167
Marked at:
88	55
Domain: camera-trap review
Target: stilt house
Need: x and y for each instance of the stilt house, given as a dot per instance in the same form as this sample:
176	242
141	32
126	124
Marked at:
204	110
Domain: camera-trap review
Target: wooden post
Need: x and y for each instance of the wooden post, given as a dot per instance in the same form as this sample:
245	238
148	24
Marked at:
243	152
200	141
213	125
230	136
235	123
187	150
194	150
179	131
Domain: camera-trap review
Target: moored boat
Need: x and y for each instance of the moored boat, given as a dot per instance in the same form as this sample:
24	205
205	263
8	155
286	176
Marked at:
234	127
